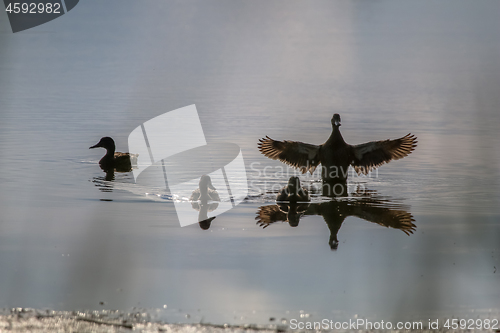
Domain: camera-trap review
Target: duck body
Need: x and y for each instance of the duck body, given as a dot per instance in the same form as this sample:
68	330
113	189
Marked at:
293	192
205	192
209	195
121	162
335	155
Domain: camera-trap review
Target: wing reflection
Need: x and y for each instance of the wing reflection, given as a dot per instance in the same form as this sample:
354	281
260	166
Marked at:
369	207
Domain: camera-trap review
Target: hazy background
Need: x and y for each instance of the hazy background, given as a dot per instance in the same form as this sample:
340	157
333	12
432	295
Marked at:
253	68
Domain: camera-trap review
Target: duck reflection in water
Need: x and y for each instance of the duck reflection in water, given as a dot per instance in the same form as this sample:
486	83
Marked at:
370	207
201	201
105	183
293	200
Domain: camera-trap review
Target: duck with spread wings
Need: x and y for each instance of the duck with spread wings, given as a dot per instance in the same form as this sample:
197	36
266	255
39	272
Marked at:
335	155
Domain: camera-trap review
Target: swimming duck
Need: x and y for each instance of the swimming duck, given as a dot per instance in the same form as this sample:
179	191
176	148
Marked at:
206	191
121	162
293	192
335	155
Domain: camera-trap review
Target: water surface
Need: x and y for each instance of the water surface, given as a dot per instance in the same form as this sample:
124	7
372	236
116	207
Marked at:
70	240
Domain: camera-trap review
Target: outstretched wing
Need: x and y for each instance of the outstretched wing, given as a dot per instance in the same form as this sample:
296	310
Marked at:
302	156
371	155
270	214
390	218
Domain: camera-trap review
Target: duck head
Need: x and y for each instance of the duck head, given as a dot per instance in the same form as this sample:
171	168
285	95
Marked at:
105	142
293	185
336	120
206	182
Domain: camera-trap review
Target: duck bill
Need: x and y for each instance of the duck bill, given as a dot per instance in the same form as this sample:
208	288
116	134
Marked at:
337	123
95	146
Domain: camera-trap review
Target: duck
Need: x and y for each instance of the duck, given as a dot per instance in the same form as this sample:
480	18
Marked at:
203	209
290	212
293	192
205	192
121	162
335	155
373	208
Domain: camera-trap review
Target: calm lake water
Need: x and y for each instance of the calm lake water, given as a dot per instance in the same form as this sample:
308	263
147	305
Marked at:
70	240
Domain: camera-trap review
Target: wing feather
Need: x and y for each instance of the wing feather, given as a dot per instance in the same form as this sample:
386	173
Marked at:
390	218
302	156
270	214
371	155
